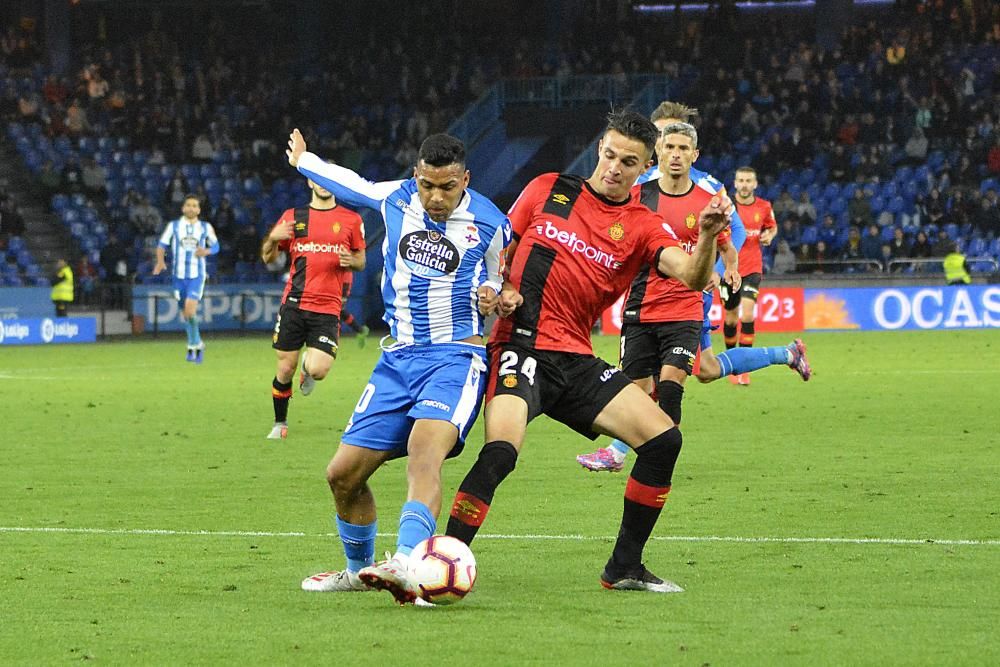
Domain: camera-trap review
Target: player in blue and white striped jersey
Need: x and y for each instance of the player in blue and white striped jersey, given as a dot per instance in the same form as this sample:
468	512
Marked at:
443	254
190	241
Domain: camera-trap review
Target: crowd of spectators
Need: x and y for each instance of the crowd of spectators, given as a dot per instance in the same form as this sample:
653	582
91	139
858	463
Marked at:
926	80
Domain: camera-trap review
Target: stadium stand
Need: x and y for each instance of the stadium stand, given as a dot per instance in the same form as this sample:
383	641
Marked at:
906	138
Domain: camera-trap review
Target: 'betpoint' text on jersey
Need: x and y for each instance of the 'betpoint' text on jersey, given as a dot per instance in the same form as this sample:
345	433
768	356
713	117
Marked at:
313	247
578	245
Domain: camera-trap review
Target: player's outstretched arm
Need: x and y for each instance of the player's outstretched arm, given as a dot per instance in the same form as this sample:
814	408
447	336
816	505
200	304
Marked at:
346	185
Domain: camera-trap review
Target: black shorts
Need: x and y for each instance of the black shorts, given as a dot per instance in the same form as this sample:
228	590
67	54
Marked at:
568	387
296	327
648	347
748	290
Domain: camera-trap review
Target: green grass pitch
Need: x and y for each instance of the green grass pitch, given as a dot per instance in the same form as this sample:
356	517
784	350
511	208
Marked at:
895	439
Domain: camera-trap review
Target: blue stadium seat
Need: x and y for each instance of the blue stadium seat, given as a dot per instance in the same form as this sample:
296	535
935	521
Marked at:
887	233
995	247
838	205
807	177
190	172
888	190
976	247
896	205
878	204
903	174
922	173
228	171
951	229
989	184
59	203
210	170
809	234
15	244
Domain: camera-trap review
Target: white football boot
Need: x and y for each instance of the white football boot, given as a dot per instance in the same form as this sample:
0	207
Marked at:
335	582
278	432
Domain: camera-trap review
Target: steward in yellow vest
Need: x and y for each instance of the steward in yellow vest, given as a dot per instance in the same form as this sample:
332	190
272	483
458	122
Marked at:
62	287
956	269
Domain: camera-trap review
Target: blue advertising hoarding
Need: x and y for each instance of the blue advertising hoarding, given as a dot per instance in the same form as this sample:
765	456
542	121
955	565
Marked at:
21	302
235	306
46	331
891	308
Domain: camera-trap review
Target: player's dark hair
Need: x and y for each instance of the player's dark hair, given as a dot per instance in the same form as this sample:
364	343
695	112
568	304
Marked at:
747	169
634	126
440	150
193	196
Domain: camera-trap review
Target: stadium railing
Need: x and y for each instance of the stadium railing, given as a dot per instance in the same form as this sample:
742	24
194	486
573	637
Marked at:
839	266
984	264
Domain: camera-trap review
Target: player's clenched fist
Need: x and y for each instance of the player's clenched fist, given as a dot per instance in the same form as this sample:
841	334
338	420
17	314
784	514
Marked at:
715	216
510	299
488	300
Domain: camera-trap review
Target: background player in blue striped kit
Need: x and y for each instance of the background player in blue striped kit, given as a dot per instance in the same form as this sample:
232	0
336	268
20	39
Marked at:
443	252
190	241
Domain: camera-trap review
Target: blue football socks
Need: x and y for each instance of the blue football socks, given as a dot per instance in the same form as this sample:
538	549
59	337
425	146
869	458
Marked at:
359	543
620	447
194	335
748	359
416	524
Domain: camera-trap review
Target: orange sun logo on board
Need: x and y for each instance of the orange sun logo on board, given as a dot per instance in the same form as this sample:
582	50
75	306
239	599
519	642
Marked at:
510	381
616	232
691	221
560	199
336	228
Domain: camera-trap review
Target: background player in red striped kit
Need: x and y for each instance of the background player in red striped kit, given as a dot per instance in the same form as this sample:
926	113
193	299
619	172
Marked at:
758	218
579	244
663	317
325	243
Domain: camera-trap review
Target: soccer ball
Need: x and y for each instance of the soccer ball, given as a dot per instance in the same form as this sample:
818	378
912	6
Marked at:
443	568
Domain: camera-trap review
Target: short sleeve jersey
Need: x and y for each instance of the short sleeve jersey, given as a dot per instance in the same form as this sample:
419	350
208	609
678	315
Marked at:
757	217
652	297
577	252
316	279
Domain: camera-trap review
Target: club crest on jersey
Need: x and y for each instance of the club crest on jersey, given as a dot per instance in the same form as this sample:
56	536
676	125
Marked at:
560	198
510	381
429	254
471	236
756	217
616	232
690	221
336	228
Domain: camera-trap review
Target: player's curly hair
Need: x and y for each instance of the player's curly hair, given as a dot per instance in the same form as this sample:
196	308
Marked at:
668	109
440	150
634	126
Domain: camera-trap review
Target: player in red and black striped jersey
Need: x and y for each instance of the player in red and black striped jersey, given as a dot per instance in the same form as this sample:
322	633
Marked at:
578	245
663	318
325	242
758	218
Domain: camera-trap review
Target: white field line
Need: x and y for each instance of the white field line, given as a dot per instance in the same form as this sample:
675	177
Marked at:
487	536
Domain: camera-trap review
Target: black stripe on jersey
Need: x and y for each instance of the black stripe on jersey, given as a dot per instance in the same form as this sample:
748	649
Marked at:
301	222
563	196
649	195
298	280
536	272
636	293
